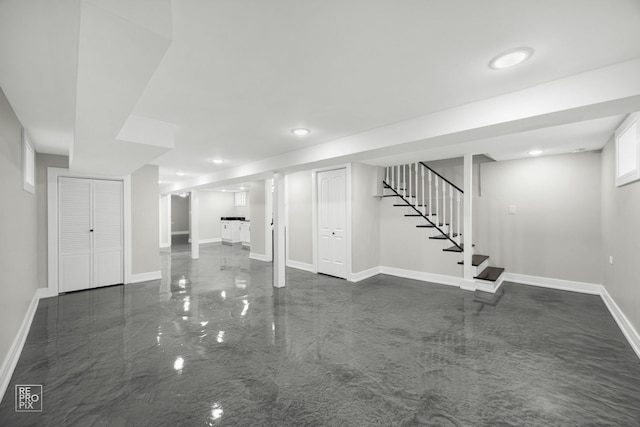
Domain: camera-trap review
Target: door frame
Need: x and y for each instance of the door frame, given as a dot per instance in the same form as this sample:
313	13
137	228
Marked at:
52	223
314	214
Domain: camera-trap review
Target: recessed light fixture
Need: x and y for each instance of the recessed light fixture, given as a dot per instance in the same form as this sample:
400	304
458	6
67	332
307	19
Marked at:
217	161
511	58
535	152
300	131
159	182
242	188
180	173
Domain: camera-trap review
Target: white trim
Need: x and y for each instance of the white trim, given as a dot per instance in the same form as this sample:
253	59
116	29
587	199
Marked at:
145	277
301	266
364	274
625	326
314	213
547	282
165	245
52	222
213	240
176	233
11	359
440	279
259	257
268	217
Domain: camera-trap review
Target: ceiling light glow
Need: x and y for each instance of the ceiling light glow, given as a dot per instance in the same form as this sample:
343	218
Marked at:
217	161
180	173
511	58
300	131
535	152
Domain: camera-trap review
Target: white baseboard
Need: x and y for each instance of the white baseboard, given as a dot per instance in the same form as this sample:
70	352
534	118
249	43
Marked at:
165	245
259	257
145	277
11	359
364	274
177	233
441	279
547	282
301	266
625	326
214	240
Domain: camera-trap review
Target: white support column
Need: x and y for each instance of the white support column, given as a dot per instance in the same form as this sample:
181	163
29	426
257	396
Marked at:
467	282
195	224
278	231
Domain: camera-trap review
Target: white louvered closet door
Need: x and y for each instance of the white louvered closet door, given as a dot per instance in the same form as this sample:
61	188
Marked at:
108	266
90	233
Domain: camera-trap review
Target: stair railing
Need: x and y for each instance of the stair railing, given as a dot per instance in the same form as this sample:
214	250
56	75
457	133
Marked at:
431	195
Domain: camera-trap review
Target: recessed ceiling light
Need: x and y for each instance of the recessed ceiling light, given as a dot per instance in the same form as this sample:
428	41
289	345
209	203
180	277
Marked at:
511	58
217	161
300	131
242	188
180	173
535	152
159	182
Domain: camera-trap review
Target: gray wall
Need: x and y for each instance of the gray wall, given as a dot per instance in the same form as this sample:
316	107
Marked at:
621	238
257	213
213	205
145	214
556	230
179	213
43	161
300	230
365	218
18	231
404	246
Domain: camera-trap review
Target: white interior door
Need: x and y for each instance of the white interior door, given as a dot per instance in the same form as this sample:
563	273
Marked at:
90	233
108	268
332	219
74	216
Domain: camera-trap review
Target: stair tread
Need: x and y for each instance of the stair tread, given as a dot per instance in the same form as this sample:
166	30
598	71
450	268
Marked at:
429	225
405	205
490	273
442	236
454	249
476	260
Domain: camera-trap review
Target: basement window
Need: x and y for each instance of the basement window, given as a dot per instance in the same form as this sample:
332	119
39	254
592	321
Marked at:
241	198
628	151
28	164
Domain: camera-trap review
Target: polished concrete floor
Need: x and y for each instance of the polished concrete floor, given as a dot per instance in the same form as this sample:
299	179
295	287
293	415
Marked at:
214	344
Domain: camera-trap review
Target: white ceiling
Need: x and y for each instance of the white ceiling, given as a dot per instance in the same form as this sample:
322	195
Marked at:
232	78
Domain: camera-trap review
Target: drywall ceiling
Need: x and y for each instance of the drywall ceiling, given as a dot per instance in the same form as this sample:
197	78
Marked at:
233	78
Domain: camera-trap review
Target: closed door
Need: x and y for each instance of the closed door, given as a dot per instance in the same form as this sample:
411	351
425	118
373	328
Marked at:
332	219
90	233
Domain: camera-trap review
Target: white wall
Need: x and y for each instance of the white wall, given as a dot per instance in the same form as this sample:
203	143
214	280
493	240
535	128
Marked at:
257	210
145	255
18	231
621	238
365	218
43	161
556	230
300	217
165	217
213	205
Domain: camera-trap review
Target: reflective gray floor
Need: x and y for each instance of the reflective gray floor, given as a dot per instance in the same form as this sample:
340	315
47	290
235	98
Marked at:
214	344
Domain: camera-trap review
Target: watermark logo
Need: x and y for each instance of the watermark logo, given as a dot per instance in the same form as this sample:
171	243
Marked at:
29	398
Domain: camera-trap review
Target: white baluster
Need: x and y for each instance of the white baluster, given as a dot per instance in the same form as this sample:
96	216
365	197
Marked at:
386	174
416	186
430	195
410	181
444	203
404	181
450	211
424	209
459	232
398	175
392	176
437	195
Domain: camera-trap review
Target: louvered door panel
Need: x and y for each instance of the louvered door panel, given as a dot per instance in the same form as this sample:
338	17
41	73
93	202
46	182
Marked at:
107	224
74	215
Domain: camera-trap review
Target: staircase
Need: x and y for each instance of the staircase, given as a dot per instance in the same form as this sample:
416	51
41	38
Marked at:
436	203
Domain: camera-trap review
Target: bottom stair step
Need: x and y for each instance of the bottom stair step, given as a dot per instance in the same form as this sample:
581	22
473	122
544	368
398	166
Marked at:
455	249
443	237
490	273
